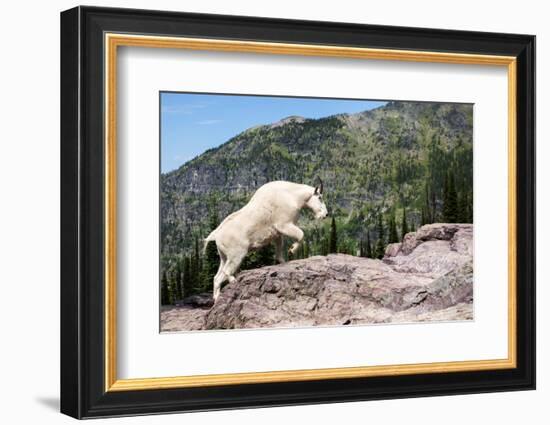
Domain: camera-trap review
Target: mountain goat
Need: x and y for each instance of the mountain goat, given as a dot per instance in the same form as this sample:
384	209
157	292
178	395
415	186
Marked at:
270	215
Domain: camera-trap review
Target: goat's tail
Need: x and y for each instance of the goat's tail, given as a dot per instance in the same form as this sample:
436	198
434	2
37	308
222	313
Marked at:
211	237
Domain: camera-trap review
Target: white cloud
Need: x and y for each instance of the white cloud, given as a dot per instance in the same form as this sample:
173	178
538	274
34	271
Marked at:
209	122
184	109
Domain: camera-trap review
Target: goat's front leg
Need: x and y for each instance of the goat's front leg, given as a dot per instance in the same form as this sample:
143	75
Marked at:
293	232
279	249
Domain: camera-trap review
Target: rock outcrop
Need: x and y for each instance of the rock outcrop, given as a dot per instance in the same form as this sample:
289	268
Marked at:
427	277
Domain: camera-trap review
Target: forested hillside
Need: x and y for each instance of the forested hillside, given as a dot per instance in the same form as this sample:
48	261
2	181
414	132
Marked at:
385	171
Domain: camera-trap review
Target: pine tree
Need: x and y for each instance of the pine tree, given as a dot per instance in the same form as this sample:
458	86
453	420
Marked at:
187	282
380	244
178	286
427	216
404	226
173	288
198	257
194	269
462	208
392	232
333	244
165	290
450	204
368	250
446	198
470	209
453	199
325	245
266	256
300	251
433	207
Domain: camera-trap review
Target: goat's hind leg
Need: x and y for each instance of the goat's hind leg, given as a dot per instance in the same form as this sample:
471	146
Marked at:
227	271
232	265
220	276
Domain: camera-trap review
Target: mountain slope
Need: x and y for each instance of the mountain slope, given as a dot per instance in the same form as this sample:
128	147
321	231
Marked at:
377	162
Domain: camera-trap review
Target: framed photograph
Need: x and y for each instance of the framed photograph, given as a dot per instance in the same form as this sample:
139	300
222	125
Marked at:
261	212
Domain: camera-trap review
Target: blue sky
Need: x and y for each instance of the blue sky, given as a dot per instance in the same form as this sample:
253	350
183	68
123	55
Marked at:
192	123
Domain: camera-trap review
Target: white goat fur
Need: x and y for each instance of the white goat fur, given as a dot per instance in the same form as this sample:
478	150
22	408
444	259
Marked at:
270	215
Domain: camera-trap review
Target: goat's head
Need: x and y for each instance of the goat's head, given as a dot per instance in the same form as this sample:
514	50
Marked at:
316	204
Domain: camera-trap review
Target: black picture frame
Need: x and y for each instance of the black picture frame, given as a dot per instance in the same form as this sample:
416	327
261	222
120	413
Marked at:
83	392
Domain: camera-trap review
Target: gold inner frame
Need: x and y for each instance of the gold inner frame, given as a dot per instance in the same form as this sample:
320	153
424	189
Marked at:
113	41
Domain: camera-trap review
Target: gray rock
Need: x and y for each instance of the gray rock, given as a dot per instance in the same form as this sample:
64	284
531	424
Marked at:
392	249
433	232
461	311
198	300
182	319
